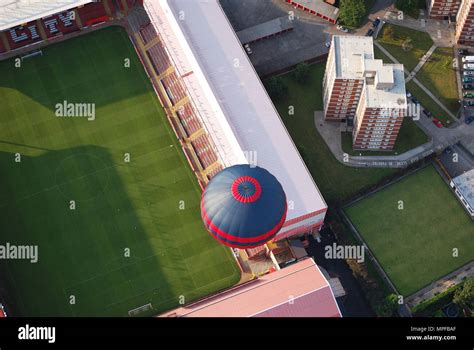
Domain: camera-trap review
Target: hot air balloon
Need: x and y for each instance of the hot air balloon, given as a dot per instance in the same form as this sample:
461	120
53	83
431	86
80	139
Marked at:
243	206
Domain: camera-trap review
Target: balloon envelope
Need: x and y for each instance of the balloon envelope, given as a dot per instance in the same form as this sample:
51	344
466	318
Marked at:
243	206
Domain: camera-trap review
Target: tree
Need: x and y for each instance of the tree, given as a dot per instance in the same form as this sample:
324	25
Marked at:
276	87
301	73
388	306
464	296
351	12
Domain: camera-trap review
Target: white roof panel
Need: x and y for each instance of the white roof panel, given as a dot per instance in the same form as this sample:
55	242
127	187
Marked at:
16	12
243	107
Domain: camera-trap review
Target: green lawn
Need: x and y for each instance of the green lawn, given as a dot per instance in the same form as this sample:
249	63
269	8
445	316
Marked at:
439	76
415	245
120	207
428	103
410	136
336	181
420	42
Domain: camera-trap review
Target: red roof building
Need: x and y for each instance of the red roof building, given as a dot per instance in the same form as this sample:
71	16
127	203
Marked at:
299	290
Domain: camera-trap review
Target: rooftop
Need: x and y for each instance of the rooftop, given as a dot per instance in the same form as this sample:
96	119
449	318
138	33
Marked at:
265	29
16	12
230	98
465	185
320	7
299	290
385	83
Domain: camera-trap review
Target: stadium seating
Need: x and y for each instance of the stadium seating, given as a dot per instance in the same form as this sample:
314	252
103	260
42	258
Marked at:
23	35
188	119
91	12
158	58
61	23
204	151
174	87
148	33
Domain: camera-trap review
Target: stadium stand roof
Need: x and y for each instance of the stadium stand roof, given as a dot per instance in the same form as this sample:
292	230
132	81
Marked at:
230	98
265	30
299	290
16	12
465	185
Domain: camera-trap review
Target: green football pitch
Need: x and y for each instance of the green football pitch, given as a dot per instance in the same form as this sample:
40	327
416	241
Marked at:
133	235
417	244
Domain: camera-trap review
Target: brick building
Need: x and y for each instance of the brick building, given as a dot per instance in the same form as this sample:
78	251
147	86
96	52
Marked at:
359	88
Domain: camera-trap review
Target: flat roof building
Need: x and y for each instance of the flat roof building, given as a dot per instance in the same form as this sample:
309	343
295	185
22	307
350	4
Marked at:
463	186
318	8
299	290
372	93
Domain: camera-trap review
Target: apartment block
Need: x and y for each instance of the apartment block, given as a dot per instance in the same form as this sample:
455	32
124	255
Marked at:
465	23
357	86
442	8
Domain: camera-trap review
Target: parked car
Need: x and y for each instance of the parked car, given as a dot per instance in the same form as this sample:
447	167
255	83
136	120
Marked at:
370	32
467	59
470	119
248	49
468	86
427	113
342	29
437	122
328	44
409	94
376	23
468	94
2	311
468	73
468	66
463	52
469	103
467	80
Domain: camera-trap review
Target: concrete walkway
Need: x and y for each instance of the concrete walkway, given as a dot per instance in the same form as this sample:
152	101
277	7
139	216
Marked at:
440	138
440	285
422	62
411	76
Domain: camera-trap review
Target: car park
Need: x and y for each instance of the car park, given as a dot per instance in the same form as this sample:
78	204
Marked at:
437	122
